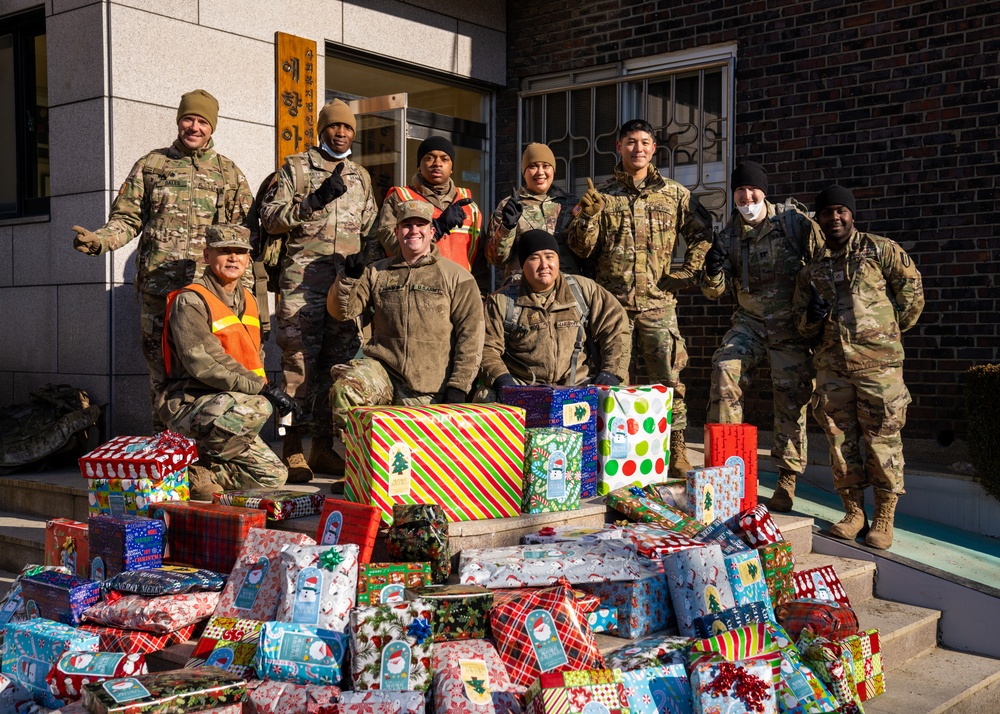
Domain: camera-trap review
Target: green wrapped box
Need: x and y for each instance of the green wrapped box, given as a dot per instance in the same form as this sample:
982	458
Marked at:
463	611
382	583
552	458
186	690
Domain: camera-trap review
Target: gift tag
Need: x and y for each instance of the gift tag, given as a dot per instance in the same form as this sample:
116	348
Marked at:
331	529
392	594
31	610
103	664
221	658
97	569
619	438
476	678
125	690
574	413
707	502
305	609
296	647
399	462
31	672
545	640
555	480
713	601
116	502
250	588
395	670
741	470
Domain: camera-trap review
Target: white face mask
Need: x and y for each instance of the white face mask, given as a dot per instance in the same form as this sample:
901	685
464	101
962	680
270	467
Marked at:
334	154
752	211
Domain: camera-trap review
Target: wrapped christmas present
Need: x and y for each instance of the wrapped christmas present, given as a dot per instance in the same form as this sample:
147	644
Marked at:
462	612
30	649
672	492
278	504
117	639
754	642
13	696
633	435
12	604
603	619
798	689
746	577
385	583
651	651
154	458
344	522
186	690
581	690
852	667
120	497
643	604
375	701
758	526
255	583
733	687
319	585
543	631
732	619
778	563
654	543
206	535
122	543
572	534
826	618
163	614
719	532
302	654
820	584
75	669
229	644
698	584
467	458
165	580
67	545
640	506
662	689
391	646
735	445
532	566
551	470
274	697
713	493
419	534
58	596
469	676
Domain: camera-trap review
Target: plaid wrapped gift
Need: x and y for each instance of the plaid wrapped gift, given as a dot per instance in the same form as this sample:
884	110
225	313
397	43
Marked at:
852	667
419	534
718	532
820	584
713	493
551	470
229	644
654	543
74	669
384	583
698	584
603	619
825	618
122	543
651	651
31	648
374	701
187	690
278	504
732	619
640	506
166	613
466	457
119	497
758	526
633	435
735	445
532	566
462	612
391	646
573	692
58	596
672	492
273	697
663	689
798	689
573	408
116	639
643	605
67	544
778	563
165	580
713	688
345	522
319	585
746	577
572	534
155	458
469	676
302	654
12	604
543	631
206	535
255	584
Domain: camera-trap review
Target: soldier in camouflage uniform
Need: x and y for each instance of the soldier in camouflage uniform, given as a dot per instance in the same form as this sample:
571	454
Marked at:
538	205
171	196
858	295
216	392
757	257
631	224
323	203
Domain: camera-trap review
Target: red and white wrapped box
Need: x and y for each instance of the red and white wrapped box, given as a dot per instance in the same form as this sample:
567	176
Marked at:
819	584
166	613
375	701
758	526
469	676
74	669
273	697
117	639
278	504
654	543
735	445
67	544
139	457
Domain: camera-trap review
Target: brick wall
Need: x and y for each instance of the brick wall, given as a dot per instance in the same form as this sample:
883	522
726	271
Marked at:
896	99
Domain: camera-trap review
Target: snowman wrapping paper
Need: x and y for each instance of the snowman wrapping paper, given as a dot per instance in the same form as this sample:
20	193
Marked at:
758	526
302	654
229	644
698	583
74	669
319	585
519	566
551	470
30	649
391	646
633	435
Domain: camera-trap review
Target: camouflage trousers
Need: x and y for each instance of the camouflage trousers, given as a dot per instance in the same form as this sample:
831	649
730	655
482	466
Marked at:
656	337
792	379
226	428
311	342
152	312
366	383
864	407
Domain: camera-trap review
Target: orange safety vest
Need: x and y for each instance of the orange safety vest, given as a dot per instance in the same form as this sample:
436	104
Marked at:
240	338
461	243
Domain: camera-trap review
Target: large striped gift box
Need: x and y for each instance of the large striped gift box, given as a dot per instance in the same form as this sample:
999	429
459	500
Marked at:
466	457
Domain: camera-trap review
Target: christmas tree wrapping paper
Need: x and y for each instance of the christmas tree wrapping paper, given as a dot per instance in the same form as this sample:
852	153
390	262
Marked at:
551	470
633	435
698	584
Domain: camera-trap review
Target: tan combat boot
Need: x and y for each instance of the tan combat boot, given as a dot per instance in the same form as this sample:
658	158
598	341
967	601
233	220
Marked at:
679	464
202	482
855	519
880	535
784	492
323	459
295	460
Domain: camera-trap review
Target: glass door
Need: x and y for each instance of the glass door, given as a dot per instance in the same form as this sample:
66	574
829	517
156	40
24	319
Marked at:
380	142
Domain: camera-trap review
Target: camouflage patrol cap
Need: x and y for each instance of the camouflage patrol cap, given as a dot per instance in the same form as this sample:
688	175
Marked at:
221	236
414	209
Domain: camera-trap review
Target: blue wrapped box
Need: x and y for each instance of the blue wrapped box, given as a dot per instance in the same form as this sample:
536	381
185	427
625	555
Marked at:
643	604
719	532
572	408
714	493
122	543
746	578
603	619
658	690
732	619
31	648
301	654
58	596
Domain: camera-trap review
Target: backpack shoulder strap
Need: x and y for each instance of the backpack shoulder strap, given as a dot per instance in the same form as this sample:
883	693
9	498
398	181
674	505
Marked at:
512	311
298	164
581	333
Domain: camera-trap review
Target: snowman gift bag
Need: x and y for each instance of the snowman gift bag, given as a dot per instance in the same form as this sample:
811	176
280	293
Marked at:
391	646
633	435
551	470
319	585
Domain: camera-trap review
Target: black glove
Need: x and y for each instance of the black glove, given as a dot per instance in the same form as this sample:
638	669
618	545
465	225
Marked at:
504	380
606	379
452	217
454	395
354	265
716	258
818	308
282	403
332	188
511	213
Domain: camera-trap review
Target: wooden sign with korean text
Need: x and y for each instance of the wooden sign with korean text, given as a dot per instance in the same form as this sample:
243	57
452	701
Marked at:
295	104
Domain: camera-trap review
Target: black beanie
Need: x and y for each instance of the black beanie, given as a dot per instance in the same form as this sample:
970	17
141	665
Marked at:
534	241
835	196
749	173
435	143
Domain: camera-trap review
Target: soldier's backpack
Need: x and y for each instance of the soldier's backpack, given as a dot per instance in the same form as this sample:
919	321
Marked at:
786	223
57	420
269	248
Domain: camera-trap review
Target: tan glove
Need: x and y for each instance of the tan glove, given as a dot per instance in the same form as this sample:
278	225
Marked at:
592	202
87	241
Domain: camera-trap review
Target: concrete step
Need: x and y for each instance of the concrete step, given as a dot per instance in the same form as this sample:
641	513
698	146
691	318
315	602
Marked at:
905	631
857	576
22	541
51	494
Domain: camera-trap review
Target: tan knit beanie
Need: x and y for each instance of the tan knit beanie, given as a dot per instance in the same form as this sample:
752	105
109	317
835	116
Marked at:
537	152
200	103
335	112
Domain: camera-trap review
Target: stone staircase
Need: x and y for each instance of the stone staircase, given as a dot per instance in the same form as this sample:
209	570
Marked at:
921	677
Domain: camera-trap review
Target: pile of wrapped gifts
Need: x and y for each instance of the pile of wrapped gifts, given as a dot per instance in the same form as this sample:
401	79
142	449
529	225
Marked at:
696	577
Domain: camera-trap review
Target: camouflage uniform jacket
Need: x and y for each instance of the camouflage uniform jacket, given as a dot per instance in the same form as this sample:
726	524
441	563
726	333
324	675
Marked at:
772	253
427	327
549	212
172	195
318	241
876	293
540	347
634	237
200	365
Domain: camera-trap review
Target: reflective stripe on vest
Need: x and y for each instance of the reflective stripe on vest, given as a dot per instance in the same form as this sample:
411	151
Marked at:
460	244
